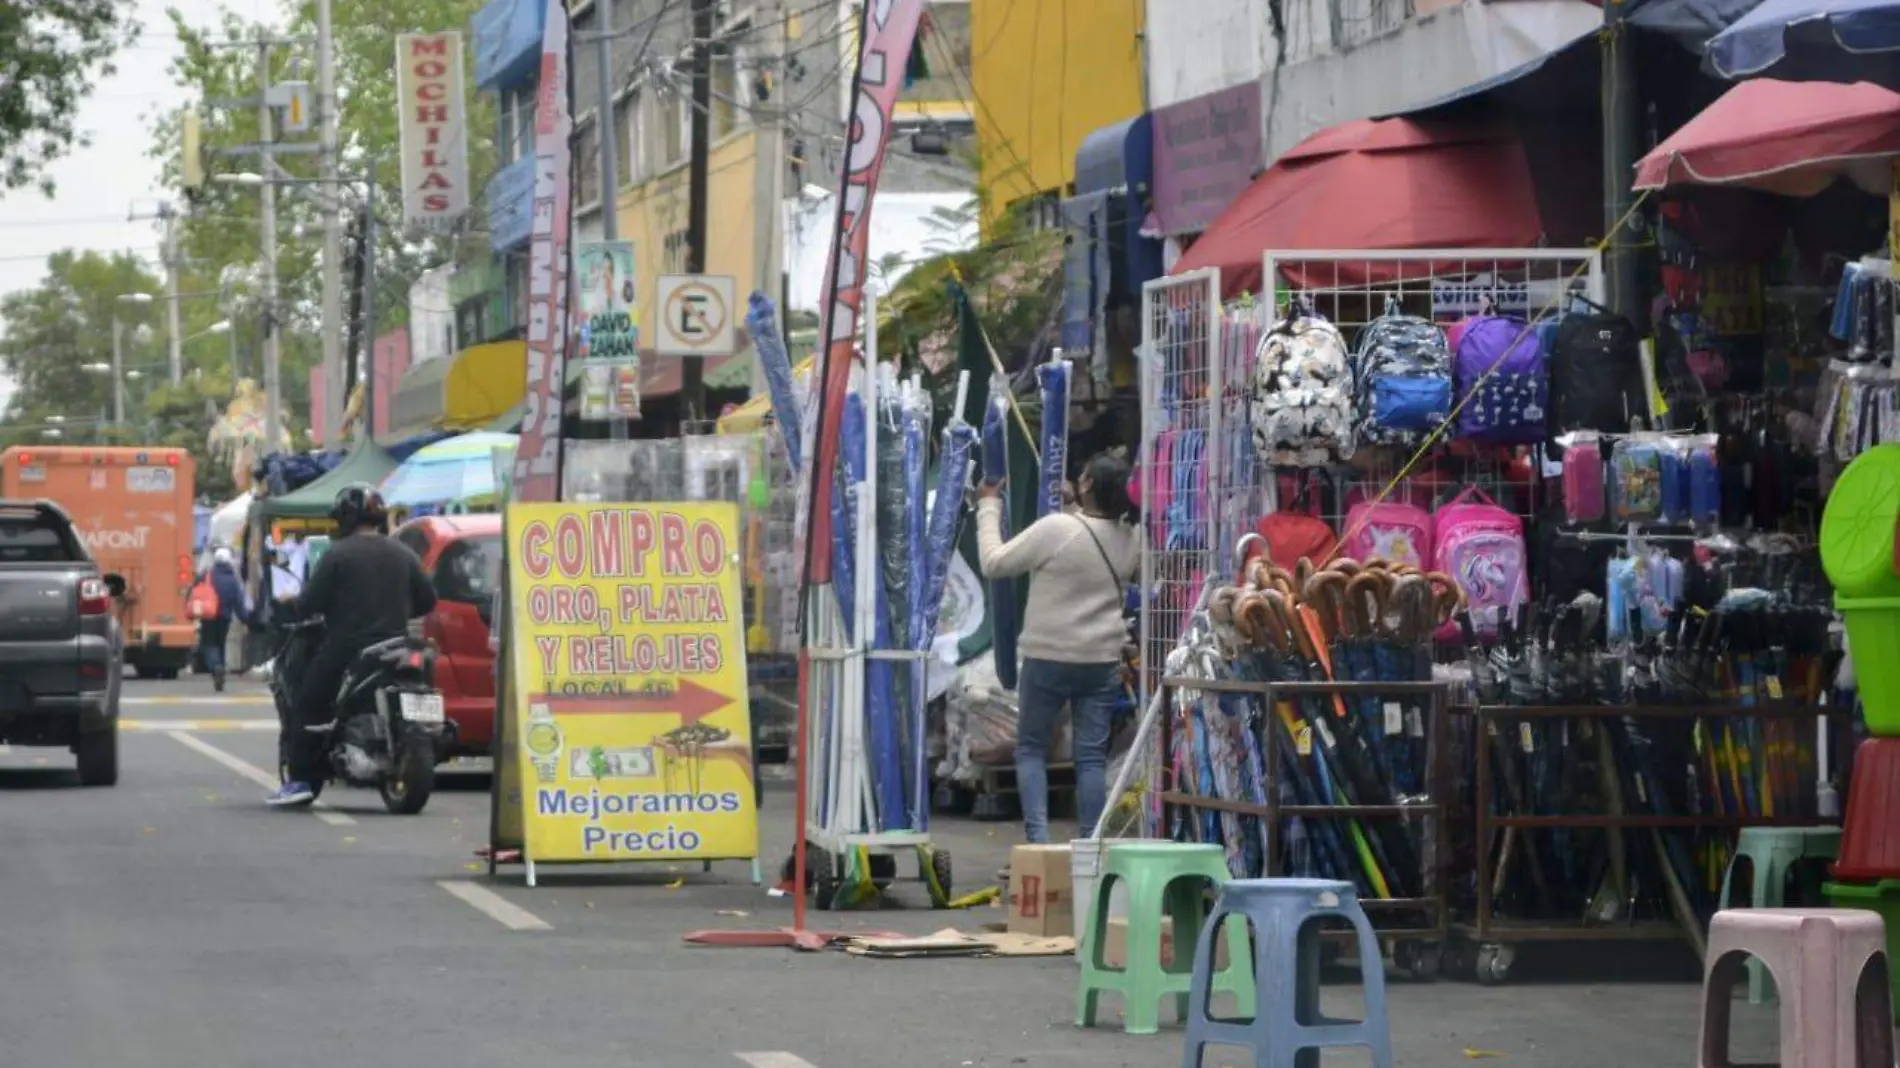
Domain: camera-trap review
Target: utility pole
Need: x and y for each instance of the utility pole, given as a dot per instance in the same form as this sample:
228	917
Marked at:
118	372
770	246
267	238
369	299
174	340
333	384
1622	131
609	143
693	368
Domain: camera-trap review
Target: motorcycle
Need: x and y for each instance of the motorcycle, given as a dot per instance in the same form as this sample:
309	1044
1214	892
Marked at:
389	731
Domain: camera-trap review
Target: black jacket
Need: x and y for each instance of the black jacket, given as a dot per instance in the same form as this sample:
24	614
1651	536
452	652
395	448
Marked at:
367	587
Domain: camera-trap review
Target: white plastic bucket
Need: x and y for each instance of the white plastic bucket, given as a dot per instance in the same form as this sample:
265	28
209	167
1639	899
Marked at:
1087	857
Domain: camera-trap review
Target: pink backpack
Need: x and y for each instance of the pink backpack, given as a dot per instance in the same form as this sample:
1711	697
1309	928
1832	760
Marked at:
1395	532
1481	546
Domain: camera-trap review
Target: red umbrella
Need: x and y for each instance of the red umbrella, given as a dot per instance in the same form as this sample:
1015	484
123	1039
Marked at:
1375	184
1791	138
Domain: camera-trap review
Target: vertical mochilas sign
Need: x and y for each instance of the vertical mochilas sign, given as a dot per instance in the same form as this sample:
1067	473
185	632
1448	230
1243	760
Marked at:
537	456
888	30
433	121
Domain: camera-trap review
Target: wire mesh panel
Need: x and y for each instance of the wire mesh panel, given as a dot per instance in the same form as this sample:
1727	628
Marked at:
1181	335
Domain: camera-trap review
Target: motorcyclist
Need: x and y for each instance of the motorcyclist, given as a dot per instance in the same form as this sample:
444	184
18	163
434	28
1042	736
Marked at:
367	588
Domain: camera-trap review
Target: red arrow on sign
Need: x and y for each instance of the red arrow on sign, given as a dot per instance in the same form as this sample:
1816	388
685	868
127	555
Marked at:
690	701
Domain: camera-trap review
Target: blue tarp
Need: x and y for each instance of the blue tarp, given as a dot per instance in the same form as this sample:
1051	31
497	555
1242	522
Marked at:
1822	40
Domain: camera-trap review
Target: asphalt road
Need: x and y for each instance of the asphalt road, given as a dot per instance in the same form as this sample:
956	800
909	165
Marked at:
174	922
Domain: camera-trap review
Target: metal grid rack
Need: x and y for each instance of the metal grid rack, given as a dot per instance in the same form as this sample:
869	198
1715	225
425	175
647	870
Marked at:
1494	938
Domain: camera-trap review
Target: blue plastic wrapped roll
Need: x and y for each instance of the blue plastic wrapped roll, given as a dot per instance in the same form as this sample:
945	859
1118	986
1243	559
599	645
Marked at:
1003	614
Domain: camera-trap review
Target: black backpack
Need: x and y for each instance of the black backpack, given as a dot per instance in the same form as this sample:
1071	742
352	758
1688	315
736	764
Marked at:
1596	374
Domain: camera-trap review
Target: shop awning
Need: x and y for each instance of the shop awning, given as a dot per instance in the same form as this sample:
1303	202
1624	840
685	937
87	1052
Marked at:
1116	156
1791	138
367	463
1375	184
1818	40
464	392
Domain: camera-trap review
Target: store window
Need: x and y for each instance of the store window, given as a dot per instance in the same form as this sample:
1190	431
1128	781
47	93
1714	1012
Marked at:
728	97
517	123
632	136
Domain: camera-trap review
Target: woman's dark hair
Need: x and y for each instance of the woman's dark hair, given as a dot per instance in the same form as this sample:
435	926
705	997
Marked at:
1108	477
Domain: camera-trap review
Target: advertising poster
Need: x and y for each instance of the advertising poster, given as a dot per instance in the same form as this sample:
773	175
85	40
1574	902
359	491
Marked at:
609	331
633	735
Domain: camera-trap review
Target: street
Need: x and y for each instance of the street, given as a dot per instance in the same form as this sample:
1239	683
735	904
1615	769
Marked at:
174	922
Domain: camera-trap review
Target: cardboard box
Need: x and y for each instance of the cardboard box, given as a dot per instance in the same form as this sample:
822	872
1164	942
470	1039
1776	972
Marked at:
1041	891
1115	946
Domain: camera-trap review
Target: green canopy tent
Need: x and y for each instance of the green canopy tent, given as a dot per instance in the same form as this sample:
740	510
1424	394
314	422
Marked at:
367	462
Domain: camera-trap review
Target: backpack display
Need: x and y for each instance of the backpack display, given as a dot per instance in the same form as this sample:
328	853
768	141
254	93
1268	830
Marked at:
1481	546
1583	477
1402	372
1302	394
1293	535
1636	479
202	601
1596	375
1395	532
1501	377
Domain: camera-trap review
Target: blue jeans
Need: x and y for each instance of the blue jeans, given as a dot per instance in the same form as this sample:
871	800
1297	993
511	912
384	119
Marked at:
1044	687
211	636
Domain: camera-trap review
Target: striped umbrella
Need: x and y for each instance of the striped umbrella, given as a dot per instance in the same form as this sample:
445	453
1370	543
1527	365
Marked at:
458	471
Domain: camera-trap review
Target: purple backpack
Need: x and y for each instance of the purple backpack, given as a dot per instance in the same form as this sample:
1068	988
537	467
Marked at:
1481	546
1501	379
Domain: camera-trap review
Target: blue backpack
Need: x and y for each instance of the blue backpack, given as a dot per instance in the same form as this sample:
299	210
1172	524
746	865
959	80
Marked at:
1501	376
1402	375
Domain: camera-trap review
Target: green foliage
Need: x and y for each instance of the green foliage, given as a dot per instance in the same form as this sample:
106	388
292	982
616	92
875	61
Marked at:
53	331
51	52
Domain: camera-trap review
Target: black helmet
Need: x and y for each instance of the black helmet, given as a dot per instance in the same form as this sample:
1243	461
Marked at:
358	505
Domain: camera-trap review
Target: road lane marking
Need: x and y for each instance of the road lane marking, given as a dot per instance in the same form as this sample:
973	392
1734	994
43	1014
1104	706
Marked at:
198	724
255	774
6	750
494	906
249	700
776	1058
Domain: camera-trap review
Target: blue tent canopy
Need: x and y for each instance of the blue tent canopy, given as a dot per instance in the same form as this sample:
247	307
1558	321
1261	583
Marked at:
1813	40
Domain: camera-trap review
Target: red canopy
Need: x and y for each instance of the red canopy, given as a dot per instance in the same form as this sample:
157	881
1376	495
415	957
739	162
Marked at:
1375	184
1792	138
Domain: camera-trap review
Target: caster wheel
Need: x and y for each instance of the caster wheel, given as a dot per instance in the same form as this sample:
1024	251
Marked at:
940	871
1494	964
1421	960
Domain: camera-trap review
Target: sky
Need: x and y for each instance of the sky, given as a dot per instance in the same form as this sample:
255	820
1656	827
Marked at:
99	186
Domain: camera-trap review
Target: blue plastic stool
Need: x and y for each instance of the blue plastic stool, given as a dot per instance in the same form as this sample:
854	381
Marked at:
1287	1030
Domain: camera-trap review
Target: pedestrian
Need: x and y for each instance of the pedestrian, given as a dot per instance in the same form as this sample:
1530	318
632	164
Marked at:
232	604
1079	563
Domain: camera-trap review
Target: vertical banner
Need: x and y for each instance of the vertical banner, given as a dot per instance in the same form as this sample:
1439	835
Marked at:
628	665
537	462
432	118
538	458
608	330
888	30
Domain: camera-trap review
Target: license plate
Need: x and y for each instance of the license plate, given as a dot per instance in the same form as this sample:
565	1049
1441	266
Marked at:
422	707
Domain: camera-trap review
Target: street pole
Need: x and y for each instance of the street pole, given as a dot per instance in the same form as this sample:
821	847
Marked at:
369	300
1622	125
693	368
609	143
333	384
772	256
174	340
118	372
267	238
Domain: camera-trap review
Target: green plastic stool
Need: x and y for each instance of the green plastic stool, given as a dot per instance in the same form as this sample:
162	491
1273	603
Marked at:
1771	851
1161	877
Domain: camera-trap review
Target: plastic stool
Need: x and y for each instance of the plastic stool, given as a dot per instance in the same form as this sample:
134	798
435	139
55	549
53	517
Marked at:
1159	875
1771	852
1287	1029
1831	968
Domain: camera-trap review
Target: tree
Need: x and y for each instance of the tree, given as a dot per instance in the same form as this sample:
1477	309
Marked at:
54	331
51	53
220	234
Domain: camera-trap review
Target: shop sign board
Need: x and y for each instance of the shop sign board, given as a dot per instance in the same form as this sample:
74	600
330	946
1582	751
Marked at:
695	315
1206	151
609	329
432	118
628	674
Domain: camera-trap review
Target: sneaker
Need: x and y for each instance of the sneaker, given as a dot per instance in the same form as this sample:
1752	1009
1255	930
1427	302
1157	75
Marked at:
289	794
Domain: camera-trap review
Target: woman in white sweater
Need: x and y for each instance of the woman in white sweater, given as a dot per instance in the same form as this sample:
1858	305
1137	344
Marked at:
1079	563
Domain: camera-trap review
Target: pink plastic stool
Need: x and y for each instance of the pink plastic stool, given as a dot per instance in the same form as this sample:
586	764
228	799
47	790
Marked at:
1830	969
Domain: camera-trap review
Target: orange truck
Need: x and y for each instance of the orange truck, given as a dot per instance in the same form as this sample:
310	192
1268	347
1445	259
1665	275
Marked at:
133	508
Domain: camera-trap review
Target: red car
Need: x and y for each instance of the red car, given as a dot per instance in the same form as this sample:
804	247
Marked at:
461	554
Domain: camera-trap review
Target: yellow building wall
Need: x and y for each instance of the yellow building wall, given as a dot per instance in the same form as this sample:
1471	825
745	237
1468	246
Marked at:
1048	73
656	209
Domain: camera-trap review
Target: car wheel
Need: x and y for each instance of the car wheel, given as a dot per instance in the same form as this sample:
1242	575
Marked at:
99	757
